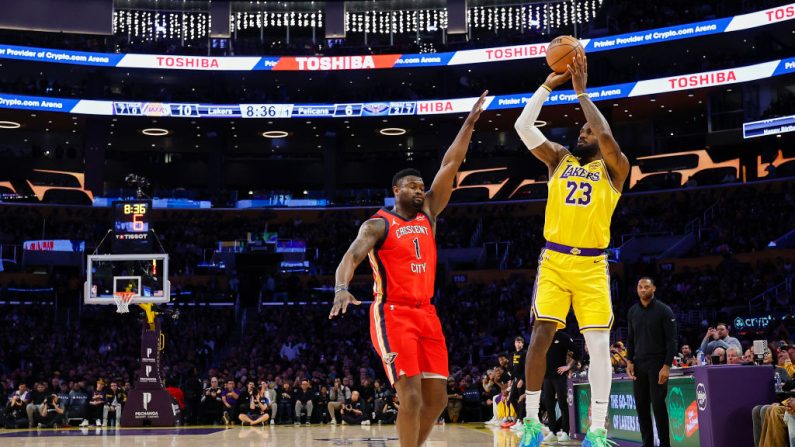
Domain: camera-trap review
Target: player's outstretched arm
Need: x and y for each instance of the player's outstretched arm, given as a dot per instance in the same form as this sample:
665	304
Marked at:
548	152
371	231
442	187
617	163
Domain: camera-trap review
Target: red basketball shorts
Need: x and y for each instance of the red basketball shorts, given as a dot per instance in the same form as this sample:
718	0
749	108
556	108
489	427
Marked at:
409	340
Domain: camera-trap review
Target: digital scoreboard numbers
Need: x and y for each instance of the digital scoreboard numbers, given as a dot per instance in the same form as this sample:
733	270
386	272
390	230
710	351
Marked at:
131	226
266	110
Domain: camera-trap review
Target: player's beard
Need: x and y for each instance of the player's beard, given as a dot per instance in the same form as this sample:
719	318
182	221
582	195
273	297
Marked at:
585	151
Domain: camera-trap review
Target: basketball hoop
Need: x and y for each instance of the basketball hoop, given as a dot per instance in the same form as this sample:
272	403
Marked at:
122	300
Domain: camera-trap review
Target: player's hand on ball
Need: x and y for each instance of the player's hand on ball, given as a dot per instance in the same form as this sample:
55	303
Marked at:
341	301
579	72
555	80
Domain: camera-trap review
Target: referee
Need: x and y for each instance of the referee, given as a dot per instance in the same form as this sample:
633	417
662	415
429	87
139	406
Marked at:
651	346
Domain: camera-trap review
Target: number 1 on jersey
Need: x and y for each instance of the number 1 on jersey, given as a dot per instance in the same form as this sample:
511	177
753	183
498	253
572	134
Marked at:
417	247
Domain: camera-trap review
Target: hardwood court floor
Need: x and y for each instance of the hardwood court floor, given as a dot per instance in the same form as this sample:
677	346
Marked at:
450	435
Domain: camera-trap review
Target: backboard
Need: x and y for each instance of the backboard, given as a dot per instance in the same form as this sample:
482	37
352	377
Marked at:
145	275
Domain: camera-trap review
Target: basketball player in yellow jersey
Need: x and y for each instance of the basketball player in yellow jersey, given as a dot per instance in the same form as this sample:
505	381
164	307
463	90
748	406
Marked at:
584	187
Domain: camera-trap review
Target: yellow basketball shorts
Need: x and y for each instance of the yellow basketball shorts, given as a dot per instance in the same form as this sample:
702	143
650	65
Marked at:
564	281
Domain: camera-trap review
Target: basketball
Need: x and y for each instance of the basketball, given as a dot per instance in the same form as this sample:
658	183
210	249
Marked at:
561	52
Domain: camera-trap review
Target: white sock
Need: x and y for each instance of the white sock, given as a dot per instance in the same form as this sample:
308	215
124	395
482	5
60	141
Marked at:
532	401
494	404
600	375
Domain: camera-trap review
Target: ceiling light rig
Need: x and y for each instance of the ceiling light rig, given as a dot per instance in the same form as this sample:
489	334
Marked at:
275	134
155	132
392	131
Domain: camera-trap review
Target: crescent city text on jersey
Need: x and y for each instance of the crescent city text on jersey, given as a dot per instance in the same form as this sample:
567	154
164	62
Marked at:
578	171
410	229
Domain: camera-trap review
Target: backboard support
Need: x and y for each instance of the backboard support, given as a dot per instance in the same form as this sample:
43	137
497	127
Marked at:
145	275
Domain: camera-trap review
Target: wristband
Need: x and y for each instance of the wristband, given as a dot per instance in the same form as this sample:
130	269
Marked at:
340	288
580	95
546	87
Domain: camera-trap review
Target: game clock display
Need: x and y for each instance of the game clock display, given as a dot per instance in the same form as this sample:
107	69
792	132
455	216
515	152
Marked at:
132	217
131	226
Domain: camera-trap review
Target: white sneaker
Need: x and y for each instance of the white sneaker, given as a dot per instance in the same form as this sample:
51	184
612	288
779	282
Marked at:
563	436
518	426
550	438
493	421
273	422
333	422
84	423
99	423
365	422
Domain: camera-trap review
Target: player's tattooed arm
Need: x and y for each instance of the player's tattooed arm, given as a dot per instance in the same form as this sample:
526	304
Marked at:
442	187
617	163
370	233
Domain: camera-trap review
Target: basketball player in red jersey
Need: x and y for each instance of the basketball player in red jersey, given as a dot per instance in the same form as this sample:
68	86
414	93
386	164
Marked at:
404	327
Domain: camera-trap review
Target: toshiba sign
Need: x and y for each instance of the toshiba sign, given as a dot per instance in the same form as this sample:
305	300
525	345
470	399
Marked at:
186	62
703	79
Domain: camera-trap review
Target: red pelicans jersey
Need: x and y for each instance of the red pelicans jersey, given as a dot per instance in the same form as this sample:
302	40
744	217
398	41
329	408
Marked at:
404	264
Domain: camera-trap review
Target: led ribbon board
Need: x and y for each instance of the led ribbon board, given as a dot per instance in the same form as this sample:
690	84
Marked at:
397	108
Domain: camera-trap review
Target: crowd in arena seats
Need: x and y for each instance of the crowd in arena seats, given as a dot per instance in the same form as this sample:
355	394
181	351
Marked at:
613	17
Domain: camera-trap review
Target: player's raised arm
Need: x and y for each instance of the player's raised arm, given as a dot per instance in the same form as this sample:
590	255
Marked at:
442	186
615	160
371	231
548	152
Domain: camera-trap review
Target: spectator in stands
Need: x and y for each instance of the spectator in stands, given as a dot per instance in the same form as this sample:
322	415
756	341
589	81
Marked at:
212	408
15	411
51	413
380	394
618	357
517	372
254	405
686	357
286	403
559	363
748	356
246	395
78	404
114	401
719	337
718	356
321	400
38	398
273	397
390	410
733	357
230	397
177	394
303	401
353	411
96	404
785	362
366	392
455	400
338	396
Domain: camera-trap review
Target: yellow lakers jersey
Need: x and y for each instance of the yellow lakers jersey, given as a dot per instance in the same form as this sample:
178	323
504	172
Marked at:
580	204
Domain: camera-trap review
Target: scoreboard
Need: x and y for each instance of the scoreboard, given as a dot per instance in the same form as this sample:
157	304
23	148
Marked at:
131	226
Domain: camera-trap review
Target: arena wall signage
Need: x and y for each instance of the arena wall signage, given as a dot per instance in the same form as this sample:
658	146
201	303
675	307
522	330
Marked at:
772	126
370	62
55	245
666	84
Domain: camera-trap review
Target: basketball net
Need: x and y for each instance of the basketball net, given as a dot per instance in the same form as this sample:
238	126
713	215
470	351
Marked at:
122	300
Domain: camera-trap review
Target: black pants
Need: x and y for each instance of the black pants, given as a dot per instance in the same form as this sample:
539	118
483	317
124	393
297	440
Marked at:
516	393
649	394
555	390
